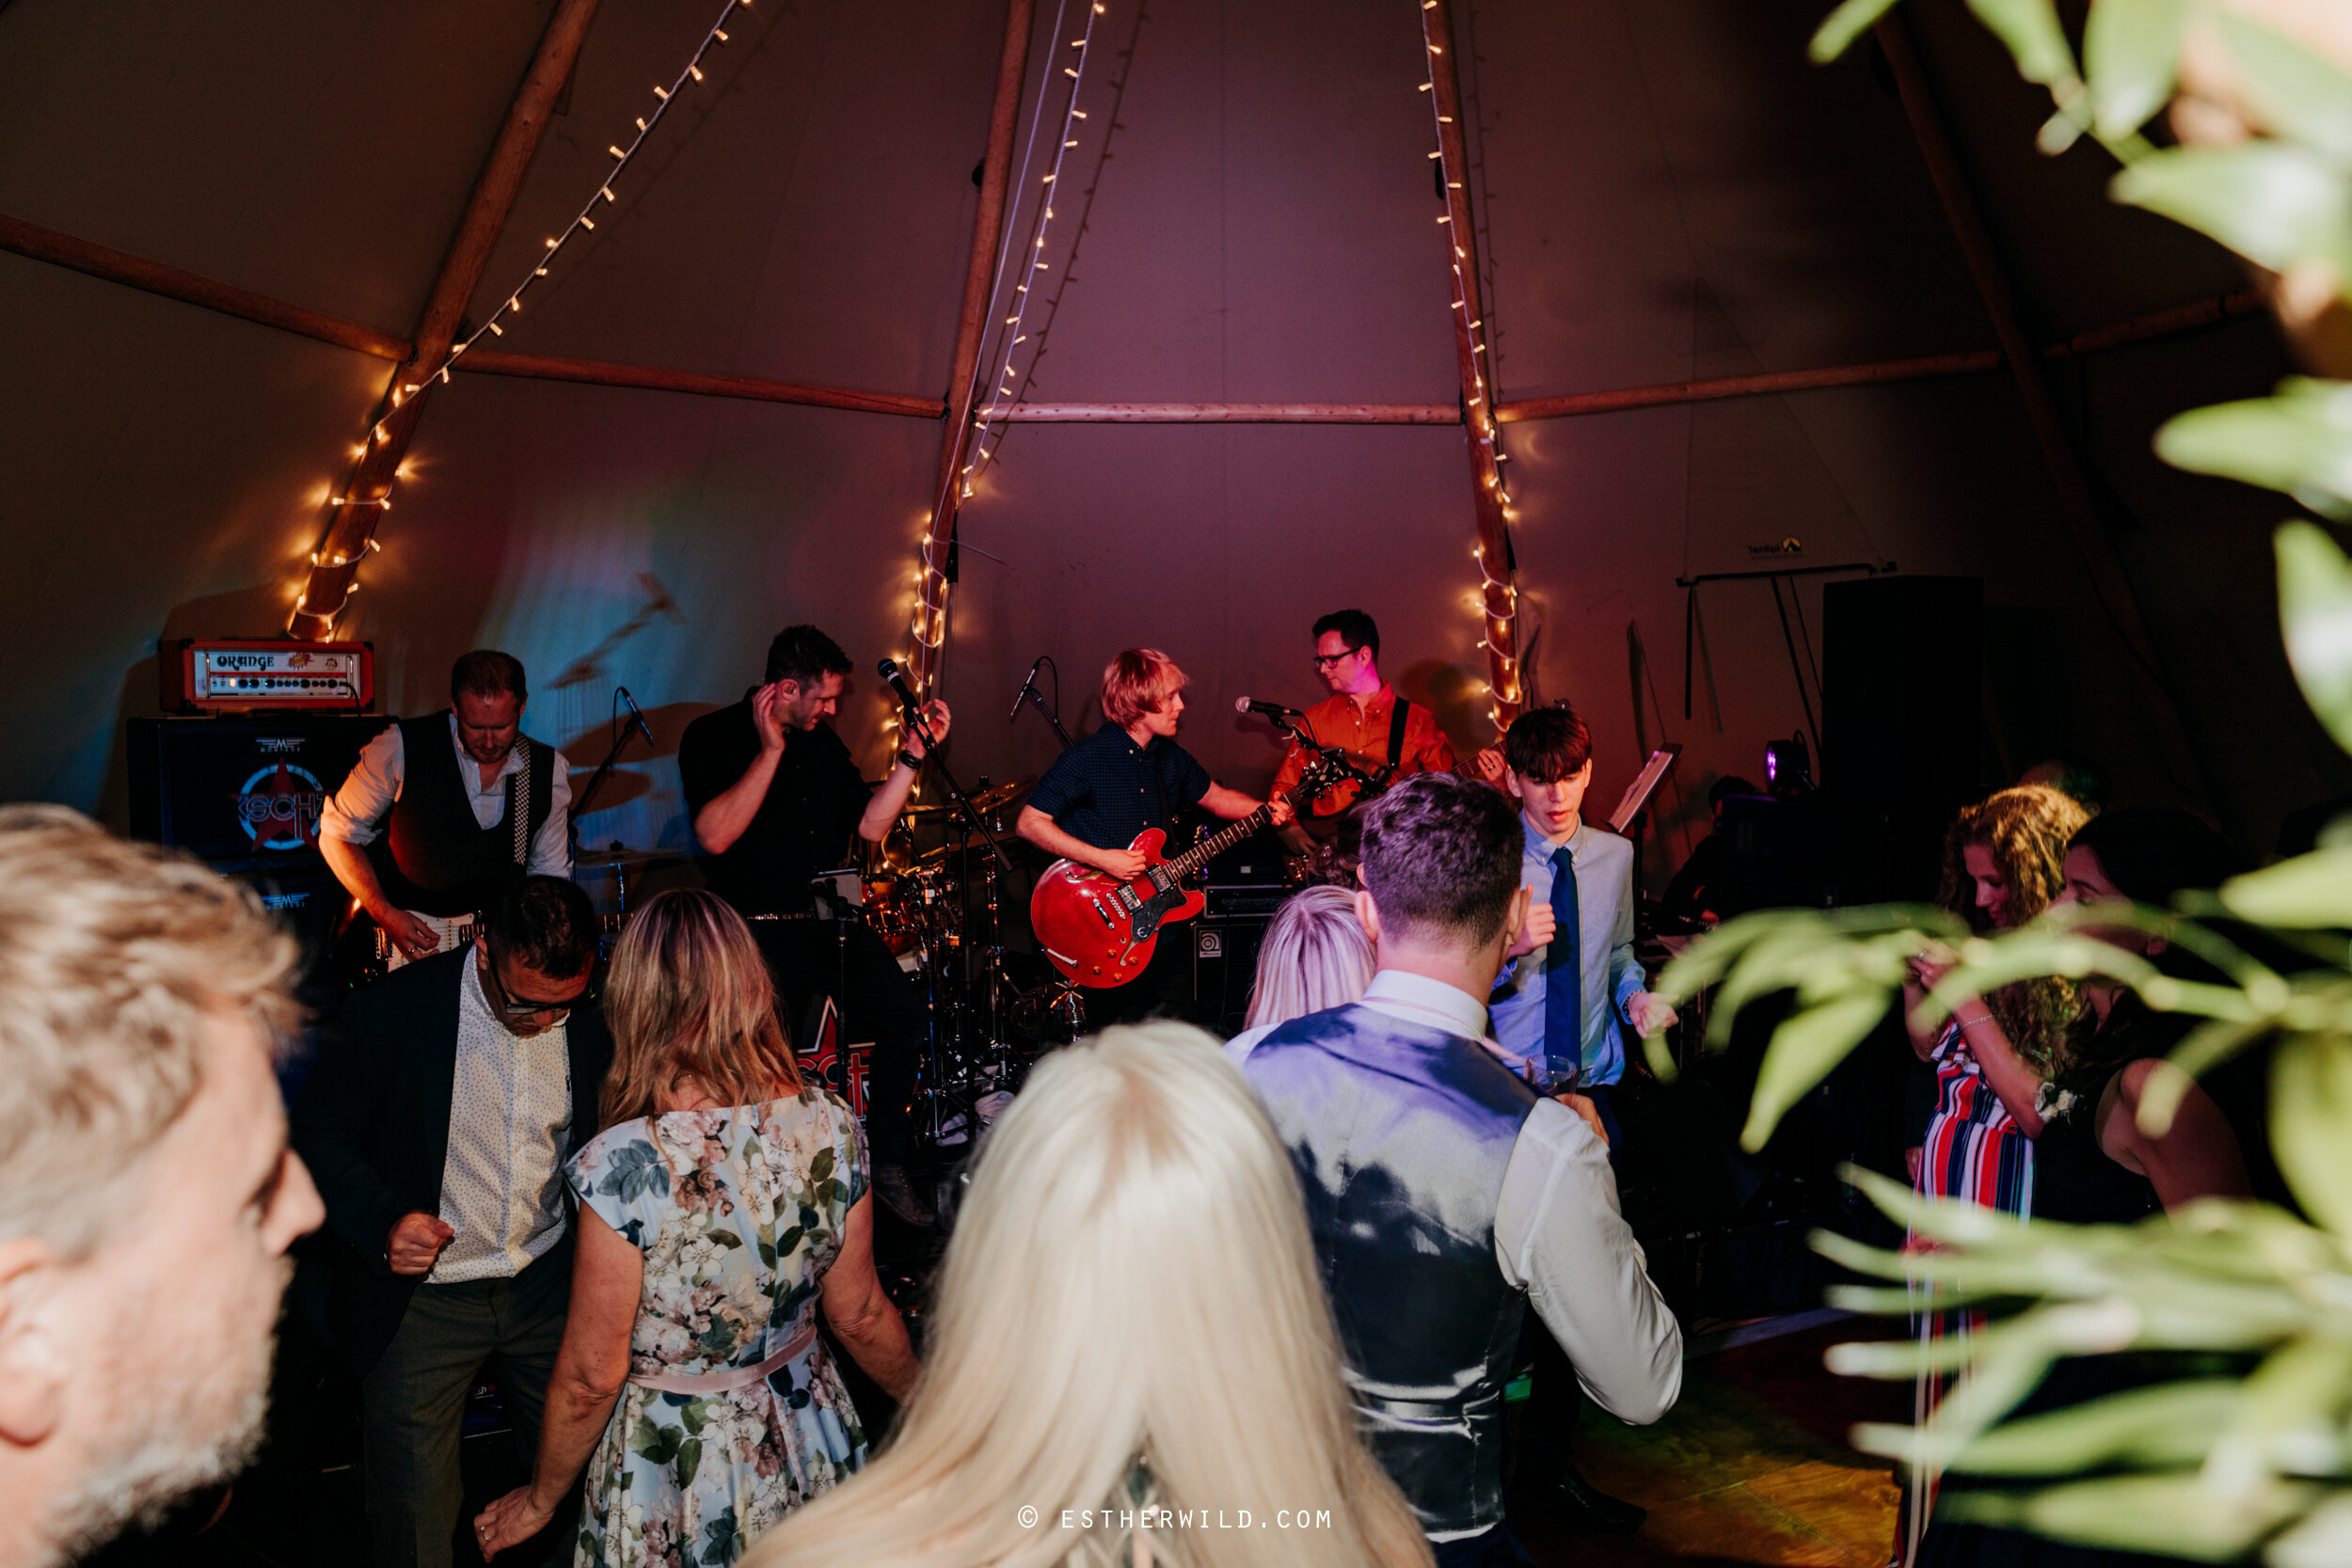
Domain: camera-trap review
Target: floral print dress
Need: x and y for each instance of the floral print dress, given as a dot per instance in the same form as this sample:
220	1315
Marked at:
739	1212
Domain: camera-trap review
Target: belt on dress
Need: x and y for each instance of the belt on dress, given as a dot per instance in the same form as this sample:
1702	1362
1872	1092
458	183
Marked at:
728	1379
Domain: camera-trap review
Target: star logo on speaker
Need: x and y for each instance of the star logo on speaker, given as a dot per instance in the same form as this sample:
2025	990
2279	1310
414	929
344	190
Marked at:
279	807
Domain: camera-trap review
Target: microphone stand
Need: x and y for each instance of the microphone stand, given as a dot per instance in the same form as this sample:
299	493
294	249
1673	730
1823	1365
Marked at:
1029	694
579	801
964	808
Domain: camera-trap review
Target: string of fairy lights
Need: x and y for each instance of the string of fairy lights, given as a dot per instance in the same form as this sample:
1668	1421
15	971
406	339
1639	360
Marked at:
583	222
1499	638
929	625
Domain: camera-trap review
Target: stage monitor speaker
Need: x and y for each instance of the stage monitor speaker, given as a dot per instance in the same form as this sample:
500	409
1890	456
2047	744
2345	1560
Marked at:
1903	709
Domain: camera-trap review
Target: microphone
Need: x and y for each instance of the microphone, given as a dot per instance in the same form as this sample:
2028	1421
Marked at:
1272	710
639	715
888	670
1026	687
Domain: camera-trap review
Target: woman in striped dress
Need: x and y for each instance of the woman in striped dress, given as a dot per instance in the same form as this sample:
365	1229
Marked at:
2004	862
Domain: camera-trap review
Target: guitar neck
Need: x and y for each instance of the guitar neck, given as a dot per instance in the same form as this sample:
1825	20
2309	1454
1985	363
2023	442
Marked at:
1217	842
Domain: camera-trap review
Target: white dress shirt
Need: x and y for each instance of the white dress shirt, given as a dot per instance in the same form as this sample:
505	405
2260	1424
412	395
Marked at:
510	1108
1559	1234
355	813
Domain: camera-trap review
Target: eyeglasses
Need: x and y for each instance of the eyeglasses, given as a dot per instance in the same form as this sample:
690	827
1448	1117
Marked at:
1325	662
514	1011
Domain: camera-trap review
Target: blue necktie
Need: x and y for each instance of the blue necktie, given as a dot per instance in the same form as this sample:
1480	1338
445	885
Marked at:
1564	974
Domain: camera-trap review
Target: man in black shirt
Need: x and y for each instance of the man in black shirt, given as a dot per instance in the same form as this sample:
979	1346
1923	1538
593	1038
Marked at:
1125	777
775	798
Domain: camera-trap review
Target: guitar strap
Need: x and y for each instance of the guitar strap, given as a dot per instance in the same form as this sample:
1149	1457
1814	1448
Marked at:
1400	714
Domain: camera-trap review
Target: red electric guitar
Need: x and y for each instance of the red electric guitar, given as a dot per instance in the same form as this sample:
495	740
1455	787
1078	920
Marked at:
1099	931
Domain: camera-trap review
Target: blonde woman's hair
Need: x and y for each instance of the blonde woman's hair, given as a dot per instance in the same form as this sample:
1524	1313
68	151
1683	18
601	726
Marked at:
115	959
1130	1318
1315	955
690	997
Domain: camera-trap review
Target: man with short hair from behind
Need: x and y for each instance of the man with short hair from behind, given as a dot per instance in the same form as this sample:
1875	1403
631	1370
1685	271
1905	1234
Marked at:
444	1102
146	1194
1444	1195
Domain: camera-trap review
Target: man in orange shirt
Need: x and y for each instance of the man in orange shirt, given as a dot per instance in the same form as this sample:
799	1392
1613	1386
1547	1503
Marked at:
1363	717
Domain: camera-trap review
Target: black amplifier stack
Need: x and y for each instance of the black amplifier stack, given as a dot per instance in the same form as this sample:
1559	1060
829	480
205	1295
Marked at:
1244	887
244	793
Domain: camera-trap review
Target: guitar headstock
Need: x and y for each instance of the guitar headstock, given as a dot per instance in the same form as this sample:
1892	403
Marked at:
1324	772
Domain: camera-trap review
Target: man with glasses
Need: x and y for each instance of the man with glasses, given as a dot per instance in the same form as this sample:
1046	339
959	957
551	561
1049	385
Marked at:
445	1100
1365	717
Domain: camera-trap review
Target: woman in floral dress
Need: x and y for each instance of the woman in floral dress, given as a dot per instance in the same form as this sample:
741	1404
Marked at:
721	1206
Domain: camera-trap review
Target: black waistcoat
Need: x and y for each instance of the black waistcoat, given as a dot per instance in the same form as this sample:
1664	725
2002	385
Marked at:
1401	1134
433	857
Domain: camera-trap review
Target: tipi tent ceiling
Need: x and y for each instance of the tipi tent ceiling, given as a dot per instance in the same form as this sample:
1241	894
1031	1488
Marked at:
1665	192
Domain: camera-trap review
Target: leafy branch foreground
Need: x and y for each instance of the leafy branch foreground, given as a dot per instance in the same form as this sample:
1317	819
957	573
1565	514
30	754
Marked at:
2252	1447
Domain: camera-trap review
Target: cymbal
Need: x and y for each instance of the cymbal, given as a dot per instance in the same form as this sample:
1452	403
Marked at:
1004	793
623	857
988	800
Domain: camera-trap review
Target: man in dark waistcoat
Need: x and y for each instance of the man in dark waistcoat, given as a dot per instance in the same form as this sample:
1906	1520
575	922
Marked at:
775	797
1443	1193
441	812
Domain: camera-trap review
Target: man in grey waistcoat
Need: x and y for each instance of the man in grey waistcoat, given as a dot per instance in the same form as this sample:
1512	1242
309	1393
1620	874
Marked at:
1443	1193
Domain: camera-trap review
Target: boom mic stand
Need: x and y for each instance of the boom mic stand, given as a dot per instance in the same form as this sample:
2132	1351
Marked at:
1029	694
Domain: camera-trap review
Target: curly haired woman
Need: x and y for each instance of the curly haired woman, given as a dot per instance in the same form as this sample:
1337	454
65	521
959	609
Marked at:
2004	862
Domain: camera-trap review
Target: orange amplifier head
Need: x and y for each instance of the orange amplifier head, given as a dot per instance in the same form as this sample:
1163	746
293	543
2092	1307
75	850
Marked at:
227	675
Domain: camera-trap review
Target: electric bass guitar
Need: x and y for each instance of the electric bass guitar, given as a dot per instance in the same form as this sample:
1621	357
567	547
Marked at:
1099	931
363	953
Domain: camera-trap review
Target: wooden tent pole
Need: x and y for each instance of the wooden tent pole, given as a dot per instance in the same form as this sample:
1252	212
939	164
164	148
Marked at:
1494	547
2113	588
351	531
980	275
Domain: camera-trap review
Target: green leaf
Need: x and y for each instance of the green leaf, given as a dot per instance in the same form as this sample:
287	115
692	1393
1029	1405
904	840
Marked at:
1802	1052
2272	202
2313	890
2298	441
2165	1427
2315	613
2167	1513
2295	92
2035	39
1848	22
689	1459
2284	1418
2311	1105
2130	52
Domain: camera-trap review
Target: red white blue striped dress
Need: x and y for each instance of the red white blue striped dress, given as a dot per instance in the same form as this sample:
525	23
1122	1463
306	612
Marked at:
1974	1152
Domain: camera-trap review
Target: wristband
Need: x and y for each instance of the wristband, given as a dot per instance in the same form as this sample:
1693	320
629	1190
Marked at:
912	760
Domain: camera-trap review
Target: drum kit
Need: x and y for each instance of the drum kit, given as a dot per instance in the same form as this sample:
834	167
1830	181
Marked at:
936	893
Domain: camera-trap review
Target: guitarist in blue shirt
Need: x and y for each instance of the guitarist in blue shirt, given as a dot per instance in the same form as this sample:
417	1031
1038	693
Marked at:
1127	776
